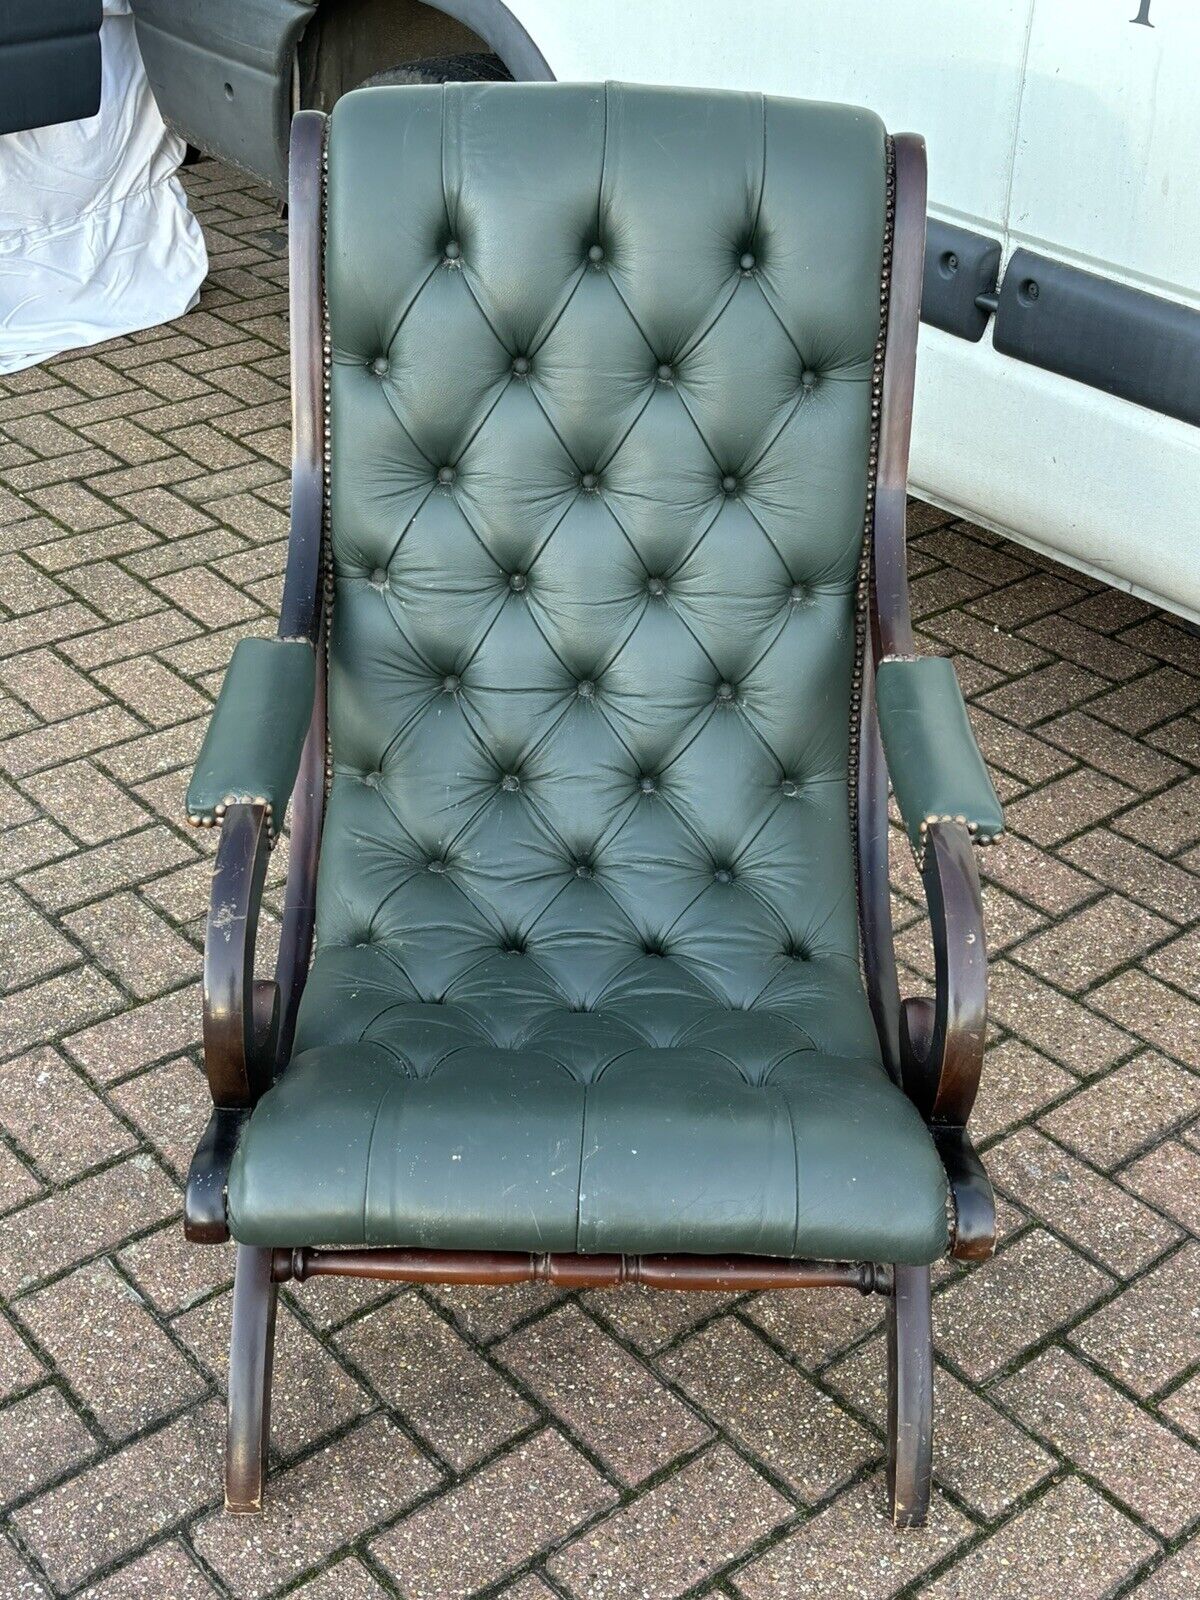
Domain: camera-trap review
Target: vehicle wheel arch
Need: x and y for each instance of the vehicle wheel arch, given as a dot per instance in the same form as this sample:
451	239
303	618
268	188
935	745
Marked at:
350	42
508	37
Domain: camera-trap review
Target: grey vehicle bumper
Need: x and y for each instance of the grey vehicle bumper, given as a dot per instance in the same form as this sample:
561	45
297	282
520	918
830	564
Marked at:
222	75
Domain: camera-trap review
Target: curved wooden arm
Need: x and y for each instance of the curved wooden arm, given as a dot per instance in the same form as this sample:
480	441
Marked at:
241	1015
240	1012
942	1040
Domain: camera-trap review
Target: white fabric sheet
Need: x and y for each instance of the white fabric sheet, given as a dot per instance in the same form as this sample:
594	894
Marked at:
96	238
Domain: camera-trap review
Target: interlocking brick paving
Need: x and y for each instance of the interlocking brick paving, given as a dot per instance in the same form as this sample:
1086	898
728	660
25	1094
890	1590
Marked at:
522	1443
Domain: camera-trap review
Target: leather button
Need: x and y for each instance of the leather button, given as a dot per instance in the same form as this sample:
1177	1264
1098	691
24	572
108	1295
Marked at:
584	869
796	594
796	952
520	365
789	788
647	785
453	250
379	366
517	582
450	683
747	262
723	875
437	866
595	253
371	779
656	586
589	482
808	378
729	483
510	782
585	689
379	577
665	371
725	691
445	474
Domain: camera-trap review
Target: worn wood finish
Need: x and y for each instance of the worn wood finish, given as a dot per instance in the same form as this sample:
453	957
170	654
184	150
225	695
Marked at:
239	1014
736	1273
890	629
300	611
933	1048
910	1397
909	1323
874	882
251	1354
971	1192
892	624
204	1220
942	1040
300	892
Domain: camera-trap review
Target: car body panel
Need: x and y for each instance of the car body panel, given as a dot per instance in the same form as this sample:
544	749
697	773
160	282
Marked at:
222	72
49	62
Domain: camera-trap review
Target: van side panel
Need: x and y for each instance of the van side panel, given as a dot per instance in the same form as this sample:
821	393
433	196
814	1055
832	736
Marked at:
948	70
1109	135
1089	479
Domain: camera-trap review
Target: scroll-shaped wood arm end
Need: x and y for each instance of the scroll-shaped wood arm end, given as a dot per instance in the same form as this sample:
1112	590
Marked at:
241	1014
942	1040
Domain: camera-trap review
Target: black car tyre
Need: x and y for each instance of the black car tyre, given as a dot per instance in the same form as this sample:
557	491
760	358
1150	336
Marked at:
443	69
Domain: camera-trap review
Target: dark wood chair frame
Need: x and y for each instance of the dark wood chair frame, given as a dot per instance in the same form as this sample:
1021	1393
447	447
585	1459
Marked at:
933	1048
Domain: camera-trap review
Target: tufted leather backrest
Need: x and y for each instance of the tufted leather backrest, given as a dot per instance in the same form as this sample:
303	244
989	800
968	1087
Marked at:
601	397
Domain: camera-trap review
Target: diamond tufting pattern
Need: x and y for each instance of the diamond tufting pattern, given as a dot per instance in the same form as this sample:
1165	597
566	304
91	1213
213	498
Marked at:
600	418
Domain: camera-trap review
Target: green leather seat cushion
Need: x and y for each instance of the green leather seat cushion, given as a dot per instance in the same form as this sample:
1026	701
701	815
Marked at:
509	1117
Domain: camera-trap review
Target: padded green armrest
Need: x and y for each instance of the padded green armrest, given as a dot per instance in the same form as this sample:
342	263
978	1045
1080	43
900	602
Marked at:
937	772
251	751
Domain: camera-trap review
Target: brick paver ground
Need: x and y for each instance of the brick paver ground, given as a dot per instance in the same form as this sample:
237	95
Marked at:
523	1443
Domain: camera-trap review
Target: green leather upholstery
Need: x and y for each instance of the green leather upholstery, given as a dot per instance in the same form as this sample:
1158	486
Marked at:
587	972
934	762
252	748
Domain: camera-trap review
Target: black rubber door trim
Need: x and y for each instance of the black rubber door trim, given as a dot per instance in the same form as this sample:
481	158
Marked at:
958	293
1124	341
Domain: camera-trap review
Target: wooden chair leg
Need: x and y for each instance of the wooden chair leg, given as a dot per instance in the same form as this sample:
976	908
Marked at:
251	1349
910	1397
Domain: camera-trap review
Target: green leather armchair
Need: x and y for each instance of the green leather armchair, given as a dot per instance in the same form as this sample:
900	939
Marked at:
594	616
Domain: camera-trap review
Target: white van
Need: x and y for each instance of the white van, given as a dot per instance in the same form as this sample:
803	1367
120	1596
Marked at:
1059	380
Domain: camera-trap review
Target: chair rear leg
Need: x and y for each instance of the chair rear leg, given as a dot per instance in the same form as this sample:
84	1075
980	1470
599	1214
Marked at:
910	1397
251	1349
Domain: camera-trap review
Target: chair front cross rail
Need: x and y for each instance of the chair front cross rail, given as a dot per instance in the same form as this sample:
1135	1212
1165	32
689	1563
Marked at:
931	1049
732	1274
